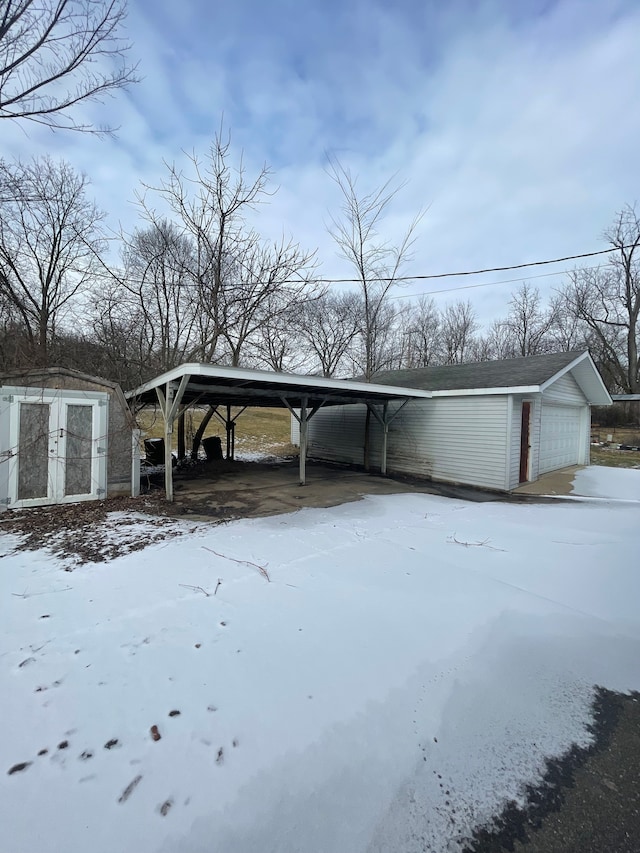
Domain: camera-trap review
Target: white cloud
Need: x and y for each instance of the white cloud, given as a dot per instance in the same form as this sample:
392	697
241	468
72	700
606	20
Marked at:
516	127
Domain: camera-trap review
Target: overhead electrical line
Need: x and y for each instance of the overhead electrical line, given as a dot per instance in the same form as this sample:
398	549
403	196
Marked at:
431	276
475	272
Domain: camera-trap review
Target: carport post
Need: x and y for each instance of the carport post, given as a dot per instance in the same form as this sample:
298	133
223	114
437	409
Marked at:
384	422
303	441
303	419
385	435
169	406
165	400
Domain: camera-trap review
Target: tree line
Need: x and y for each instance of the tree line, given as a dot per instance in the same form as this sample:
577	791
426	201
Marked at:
196	281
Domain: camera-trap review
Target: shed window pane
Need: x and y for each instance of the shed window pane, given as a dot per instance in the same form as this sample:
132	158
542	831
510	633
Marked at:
78	455
33	451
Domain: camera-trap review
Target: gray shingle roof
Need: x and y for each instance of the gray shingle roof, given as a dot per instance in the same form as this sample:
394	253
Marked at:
511	372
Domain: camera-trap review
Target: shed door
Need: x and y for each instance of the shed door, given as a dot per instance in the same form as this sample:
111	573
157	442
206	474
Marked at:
559	437
58	449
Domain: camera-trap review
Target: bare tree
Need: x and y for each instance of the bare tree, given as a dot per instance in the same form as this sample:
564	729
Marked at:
268	281
567	331
497	343
458	327
234	274
279	344
377	263
329	326
607	300
528	323
55	54
157	291
50	242
421	334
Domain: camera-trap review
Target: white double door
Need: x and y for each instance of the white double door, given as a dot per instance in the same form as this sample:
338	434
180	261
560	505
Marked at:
58	447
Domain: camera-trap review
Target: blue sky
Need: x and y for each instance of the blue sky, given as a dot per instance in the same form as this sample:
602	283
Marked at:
514	124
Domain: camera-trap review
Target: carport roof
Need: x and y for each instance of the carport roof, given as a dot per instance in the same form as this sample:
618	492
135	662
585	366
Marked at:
215	385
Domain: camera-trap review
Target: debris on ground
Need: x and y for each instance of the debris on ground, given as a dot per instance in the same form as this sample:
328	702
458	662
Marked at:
95	531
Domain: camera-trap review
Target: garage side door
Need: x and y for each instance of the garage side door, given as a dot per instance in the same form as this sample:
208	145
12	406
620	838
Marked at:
559	437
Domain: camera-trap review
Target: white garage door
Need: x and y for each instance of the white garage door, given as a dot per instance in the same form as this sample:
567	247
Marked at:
559	437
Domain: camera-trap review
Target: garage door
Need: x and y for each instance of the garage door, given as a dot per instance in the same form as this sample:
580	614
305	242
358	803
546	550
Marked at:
559	437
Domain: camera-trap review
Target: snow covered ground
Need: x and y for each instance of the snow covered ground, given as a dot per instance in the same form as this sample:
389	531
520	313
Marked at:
601	482
407	667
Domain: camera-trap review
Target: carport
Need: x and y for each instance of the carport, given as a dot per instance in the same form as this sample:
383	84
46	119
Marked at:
207	384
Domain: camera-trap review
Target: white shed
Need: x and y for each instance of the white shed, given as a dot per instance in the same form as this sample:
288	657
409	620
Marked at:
64	437
492	424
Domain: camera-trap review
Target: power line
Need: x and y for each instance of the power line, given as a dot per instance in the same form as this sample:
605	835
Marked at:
486	284
475	272
418	277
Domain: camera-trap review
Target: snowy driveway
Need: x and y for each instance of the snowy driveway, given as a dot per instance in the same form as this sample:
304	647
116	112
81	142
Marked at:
409	665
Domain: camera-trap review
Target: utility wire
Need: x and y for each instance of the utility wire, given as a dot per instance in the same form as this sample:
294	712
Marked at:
487	284
423	277
475	272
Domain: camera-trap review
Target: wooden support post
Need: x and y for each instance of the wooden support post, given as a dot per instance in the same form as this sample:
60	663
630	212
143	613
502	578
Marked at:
228	426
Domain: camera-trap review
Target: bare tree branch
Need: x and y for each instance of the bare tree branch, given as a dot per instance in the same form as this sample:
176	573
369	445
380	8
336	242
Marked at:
55	54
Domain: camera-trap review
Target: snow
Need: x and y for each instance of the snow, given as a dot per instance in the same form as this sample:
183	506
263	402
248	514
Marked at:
408	667
602	482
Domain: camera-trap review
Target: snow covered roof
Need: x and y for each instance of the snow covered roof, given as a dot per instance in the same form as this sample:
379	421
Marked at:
531	374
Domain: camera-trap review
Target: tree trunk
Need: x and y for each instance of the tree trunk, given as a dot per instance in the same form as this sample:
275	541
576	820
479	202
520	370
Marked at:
181	448
197	438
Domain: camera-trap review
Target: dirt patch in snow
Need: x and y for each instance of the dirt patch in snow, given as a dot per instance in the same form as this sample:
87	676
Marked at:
94	531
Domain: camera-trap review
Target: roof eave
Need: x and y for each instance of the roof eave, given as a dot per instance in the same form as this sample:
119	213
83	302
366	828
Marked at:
482	392
315	384
599	397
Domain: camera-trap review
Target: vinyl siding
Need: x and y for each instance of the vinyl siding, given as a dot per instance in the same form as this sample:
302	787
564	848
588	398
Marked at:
565	391
536	423
295	430
455	439
337	434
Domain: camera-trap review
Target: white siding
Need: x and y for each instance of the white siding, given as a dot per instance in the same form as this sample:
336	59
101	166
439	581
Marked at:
295	430
336	433
565	391
534	440
566	420
6	455
455	439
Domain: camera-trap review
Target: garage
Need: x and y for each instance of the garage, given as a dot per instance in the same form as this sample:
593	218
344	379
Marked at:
560	437
492	424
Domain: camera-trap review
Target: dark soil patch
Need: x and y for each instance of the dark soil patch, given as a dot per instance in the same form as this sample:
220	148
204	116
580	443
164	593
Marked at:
589	798
85	531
